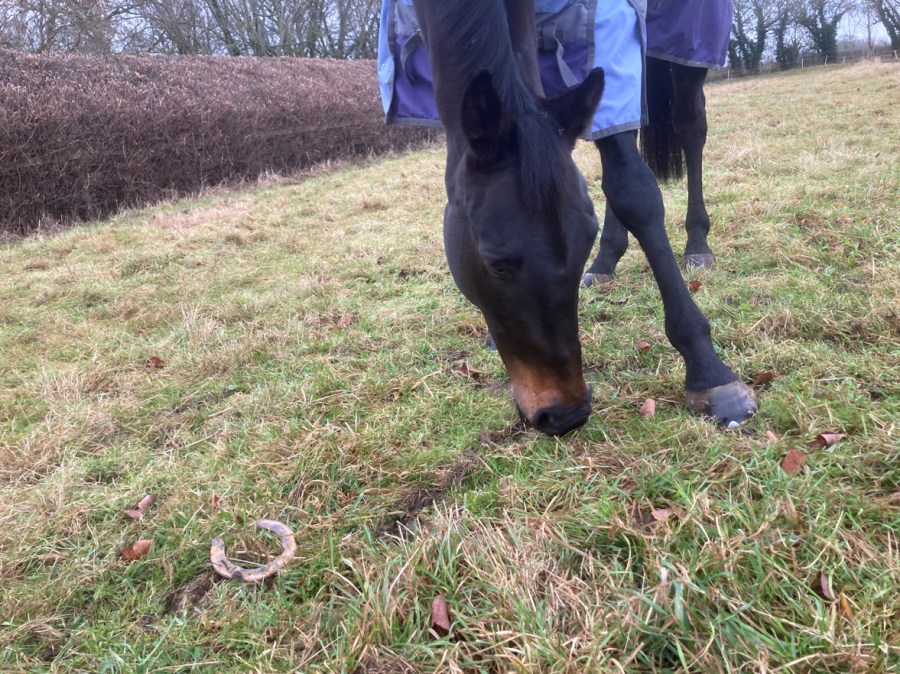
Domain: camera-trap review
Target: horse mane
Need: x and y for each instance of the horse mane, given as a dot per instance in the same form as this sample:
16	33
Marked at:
477	33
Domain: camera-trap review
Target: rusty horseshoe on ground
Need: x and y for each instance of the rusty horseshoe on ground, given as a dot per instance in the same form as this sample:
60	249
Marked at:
228	569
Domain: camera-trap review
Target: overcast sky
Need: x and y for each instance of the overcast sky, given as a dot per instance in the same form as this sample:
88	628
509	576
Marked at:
856	26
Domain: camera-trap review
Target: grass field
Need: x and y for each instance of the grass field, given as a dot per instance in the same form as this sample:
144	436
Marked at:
312	343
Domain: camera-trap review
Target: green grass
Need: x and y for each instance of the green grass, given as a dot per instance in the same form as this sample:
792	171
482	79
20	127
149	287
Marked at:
310	334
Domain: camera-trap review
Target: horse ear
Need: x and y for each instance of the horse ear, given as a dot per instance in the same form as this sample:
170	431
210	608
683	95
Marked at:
485	121
574	109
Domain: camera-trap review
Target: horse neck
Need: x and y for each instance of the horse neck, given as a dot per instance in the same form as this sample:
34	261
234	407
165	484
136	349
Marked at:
464	37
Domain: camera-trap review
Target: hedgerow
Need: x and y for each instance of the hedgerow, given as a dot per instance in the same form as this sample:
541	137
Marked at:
83	136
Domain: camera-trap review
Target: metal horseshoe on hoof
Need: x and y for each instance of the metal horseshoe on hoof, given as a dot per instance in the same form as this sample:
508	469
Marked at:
228	569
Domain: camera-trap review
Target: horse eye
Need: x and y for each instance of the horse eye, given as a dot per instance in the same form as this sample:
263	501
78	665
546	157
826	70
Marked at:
503	267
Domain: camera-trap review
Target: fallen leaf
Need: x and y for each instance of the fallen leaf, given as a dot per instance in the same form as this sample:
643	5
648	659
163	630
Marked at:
826	440
138	511
215	503
642	346
345	321
440	616
822	587
764	378
694	286
154	363
134	552
661	514
793	460
845	607
770	437
466	371
648	408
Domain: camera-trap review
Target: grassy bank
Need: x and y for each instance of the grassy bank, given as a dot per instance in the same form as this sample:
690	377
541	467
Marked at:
311	344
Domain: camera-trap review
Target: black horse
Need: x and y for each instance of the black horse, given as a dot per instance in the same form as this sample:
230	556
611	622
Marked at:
675	133
519	224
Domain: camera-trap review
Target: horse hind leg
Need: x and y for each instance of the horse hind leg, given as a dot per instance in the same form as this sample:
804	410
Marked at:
689	120
613	244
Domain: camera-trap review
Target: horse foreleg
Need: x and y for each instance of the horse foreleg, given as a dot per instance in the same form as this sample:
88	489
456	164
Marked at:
634	197
689	117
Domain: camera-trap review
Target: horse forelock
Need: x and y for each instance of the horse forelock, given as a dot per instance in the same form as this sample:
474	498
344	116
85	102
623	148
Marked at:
541	154
477	34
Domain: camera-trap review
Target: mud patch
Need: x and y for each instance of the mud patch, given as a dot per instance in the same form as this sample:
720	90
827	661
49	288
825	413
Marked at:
893	321
408	508
494	438
195	594
394	665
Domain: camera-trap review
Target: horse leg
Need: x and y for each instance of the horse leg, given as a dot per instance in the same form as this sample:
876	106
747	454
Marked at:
634	196
689	117
613	243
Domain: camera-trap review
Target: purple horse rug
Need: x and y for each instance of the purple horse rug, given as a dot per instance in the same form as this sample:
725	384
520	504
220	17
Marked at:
693	32
690	32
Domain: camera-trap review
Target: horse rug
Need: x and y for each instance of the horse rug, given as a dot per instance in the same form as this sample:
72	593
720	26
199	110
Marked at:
569	33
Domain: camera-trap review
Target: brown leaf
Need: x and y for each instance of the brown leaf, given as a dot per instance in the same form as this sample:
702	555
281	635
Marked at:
648	408
764	378
822	587
845	607
770	437
694	286
345	321
466	371
661	514
134	552
440	616
826	440
215	503
138	511
154	363
793	460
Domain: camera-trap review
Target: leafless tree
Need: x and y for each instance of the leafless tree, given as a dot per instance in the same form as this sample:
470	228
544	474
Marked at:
753	19
888	12
314	28
821	18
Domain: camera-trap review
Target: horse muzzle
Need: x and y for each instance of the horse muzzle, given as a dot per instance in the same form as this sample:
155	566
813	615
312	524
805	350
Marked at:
560	419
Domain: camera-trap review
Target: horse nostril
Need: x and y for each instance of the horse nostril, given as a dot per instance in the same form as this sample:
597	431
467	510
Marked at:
542	421
560	419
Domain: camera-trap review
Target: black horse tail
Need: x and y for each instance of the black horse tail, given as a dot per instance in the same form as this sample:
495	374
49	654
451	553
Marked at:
659	145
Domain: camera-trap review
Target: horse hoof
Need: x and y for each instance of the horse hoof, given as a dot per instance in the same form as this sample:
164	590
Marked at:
730	402
589	280
698	260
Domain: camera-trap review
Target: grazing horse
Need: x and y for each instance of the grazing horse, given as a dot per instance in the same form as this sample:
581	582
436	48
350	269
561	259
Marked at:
519	223
684	40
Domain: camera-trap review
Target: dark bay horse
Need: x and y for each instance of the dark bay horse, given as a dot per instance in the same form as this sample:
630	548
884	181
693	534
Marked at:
519	224
684	40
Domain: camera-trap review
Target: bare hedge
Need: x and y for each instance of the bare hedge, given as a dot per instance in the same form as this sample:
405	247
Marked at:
83	136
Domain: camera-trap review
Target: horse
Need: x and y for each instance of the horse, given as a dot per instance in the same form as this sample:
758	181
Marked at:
519	224
684	40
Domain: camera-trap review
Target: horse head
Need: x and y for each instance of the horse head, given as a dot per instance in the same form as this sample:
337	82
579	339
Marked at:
518	228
